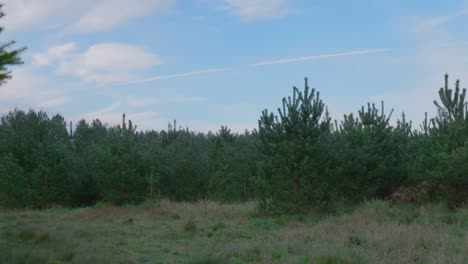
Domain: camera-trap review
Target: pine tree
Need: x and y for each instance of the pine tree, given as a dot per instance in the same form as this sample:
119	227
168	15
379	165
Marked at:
370	156
8	56
450	133
452	121
291	148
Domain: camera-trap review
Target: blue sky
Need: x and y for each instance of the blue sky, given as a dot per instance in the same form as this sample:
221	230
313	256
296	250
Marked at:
209	63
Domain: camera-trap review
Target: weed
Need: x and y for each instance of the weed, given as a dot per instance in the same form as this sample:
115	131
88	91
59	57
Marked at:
355	241
264	224
253	255
276	255
67	254
207	259
129	221
26	235
190	226
334	259
175	216
280	221
84	234
301	218
122	243
217	227
42	238
245	236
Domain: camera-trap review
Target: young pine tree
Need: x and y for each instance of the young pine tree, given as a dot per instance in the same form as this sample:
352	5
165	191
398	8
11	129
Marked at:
291	145
449	160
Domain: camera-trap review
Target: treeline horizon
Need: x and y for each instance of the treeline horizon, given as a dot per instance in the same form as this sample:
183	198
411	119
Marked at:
296	159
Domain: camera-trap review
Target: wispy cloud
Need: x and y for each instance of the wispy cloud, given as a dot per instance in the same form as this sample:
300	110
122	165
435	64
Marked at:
257	9
172	76
105	110
452	44
82	15
31	89
318	57
100	63
102	15
425	25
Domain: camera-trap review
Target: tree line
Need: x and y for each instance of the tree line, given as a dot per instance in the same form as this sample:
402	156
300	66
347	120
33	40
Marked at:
295	160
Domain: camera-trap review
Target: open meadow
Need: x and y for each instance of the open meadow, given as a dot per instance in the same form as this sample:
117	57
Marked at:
209	232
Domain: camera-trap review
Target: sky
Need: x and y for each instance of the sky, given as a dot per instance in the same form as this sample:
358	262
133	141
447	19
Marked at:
208	63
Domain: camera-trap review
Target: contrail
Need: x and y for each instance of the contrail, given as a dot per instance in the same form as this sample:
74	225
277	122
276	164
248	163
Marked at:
176	75
317	57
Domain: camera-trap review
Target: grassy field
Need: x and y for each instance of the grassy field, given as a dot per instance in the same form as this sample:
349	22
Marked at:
208	232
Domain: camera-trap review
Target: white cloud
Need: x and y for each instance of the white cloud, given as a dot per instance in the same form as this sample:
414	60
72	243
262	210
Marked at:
29	89
317	57
257	9
54	54
106	14
21	14
82	15
54	102
100	63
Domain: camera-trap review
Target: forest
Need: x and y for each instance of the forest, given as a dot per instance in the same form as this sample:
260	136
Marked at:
370	187
297	158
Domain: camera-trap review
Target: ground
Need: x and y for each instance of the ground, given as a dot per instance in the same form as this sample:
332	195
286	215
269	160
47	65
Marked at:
209	232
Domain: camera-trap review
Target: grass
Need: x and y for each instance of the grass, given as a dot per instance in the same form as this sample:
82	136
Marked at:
209	232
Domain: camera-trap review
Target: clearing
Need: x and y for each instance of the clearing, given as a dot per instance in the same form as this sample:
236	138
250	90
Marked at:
209	232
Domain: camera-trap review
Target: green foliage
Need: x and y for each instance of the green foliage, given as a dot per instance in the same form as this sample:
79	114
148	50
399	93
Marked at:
39	160
184	164
292	148
122	167
12	183
443	147
232	164
295	161
85	143
369	156
8	56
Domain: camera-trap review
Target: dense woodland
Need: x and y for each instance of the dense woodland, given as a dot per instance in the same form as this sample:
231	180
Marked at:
295	160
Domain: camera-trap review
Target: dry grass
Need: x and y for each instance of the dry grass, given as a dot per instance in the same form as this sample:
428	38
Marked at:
209	232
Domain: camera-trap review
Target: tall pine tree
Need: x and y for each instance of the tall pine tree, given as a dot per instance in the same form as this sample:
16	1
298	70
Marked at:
292	150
